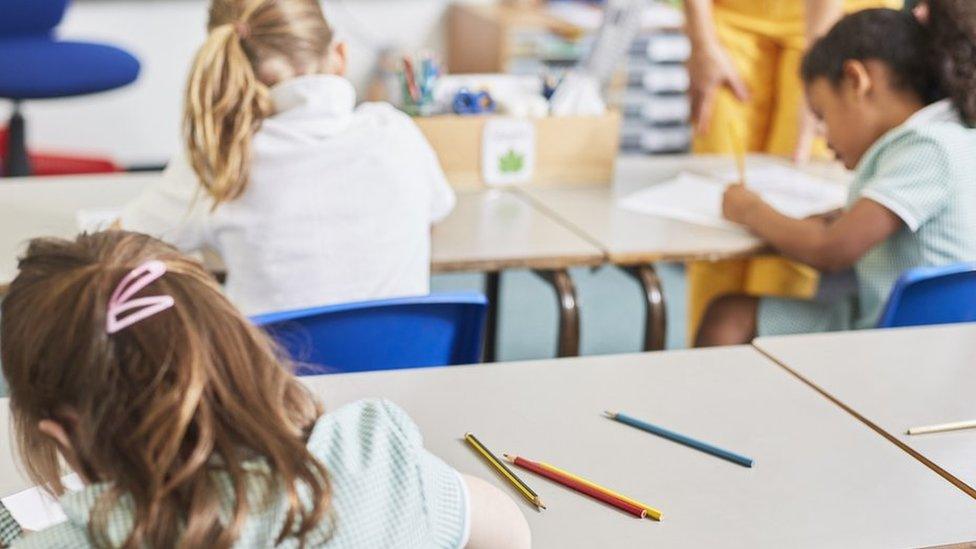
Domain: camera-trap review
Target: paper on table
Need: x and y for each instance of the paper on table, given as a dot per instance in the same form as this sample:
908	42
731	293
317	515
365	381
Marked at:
792	192
35	509
698	199
688	197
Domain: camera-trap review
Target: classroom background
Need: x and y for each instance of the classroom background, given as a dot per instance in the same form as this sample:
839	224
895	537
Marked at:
138	126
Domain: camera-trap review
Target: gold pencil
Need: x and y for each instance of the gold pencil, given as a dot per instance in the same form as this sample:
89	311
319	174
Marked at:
522	487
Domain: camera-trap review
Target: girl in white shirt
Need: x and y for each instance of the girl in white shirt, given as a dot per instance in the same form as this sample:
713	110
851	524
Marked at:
308	199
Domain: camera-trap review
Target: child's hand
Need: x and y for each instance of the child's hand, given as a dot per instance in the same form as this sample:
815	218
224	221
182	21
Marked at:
738	202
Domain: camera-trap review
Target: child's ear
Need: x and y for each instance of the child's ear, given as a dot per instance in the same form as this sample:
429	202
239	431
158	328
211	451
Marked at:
335	60
857	79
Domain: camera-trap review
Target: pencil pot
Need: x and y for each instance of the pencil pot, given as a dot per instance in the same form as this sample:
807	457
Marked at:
476	152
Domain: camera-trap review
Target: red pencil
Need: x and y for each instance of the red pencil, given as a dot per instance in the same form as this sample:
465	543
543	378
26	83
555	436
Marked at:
578	486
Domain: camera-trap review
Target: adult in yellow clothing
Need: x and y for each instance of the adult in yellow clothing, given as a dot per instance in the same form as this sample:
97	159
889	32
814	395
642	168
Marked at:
744	70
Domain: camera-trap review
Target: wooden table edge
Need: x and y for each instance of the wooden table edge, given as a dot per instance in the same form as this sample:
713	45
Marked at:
952	479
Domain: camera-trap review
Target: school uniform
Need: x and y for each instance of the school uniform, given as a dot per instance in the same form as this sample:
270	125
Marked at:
386	491
924	172
766	41
338	207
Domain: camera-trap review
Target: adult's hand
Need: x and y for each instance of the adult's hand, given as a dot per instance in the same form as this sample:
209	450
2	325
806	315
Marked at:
709	66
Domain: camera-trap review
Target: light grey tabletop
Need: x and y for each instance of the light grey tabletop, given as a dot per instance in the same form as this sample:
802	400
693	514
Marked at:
820	479
495	229
631	238
897	379
488	230
48	206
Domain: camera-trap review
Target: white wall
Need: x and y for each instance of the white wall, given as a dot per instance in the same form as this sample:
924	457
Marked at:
140	124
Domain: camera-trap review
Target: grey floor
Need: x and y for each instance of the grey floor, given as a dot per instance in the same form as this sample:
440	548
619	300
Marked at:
611	310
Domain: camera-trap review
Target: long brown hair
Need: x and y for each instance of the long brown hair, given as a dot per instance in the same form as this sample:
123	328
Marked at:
163	409
252	45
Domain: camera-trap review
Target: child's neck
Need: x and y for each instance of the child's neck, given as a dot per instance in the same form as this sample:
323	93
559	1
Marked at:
898	109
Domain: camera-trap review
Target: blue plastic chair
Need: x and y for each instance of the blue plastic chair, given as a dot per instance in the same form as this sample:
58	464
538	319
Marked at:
411	332
932	295
36	65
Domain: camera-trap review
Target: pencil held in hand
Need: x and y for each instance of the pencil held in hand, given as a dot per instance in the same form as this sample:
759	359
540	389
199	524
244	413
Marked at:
739	149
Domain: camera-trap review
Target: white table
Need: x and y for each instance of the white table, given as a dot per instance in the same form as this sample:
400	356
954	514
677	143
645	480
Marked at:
897	379
821	479
634	241
488	231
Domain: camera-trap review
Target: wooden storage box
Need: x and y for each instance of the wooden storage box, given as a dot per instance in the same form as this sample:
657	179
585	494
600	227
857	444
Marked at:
570	150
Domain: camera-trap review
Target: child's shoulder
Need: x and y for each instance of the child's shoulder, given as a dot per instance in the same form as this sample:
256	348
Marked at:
382	114
365	424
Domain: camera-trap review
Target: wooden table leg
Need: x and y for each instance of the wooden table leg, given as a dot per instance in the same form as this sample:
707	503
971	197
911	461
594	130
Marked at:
493	282
655	314
569	324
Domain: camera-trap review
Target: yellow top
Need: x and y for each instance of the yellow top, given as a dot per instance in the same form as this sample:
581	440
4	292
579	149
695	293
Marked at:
781	18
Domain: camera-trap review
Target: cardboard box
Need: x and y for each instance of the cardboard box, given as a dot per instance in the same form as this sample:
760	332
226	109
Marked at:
570	150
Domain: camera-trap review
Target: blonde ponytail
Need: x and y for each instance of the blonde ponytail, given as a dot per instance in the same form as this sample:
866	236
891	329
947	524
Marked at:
225	104
253	44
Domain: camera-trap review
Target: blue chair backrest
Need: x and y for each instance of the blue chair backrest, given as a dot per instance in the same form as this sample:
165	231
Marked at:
932	295
412	332
30	17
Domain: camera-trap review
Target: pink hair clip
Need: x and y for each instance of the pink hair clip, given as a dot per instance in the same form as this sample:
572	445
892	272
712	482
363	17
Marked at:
121	301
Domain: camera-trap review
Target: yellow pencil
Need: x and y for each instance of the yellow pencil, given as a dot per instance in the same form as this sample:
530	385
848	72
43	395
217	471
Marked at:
522	487
740	152
651	512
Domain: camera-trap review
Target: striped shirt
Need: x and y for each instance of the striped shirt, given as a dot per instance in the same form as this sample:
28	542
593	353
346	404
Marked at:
387	491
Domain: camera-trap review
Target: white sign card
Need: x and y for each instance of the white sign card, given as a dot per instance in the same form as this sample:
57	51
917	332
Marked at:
508	151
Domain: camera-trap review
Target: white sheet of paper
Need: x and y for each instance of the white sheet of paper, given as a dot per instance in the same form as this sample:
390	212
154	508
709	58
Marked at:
34	509
791	191
688	197
698	199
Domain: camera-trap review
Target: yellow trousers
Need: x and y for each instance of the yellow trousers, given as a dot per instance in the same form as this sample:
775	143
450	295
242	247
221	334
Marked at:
766	41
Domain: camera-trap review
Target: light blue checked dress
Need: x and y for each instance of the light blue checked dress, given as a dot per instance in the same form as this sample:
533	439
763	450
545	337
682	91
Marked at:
387	491
923	171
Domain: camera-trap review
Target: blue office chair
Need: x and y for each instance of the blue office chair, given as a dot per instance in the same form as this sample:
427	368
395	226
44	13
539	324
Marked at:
36	65
932	295
411	332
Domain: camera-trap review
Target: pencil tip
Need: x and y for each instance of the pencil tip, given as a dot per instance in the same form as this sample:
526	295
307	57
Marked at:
610	414
509	458
467	434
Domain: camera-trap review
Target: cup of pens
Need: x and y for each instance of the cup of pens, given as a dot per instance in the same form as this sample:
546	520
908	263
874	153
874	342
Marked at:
418	78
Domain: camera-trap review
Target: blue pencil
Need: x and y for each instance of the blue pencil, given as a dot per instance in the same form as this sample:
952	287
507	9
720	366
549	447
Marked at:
681	439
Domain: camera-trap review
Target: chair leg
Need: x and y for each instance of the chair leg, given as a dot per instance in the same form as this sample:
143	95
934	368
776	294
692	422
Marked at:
493	281
17	163
569	322
655	316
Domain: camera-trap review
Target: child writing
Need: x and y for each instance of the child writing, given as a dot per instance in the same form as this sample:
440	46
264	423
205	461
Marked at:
125	360
897	94
308	199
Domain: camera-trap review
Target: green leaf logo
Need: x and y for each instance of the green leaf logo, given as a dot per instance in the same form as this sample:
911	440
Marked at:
511	162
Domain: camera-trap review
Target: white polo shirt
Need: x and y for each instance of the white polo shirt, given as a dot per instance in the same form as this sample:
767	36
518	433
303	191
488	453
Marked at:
338	208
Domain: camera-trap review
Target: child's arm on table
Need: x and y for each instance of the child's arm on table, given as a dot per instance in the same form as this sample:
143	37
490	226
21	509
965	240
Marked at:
496	520
825	246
